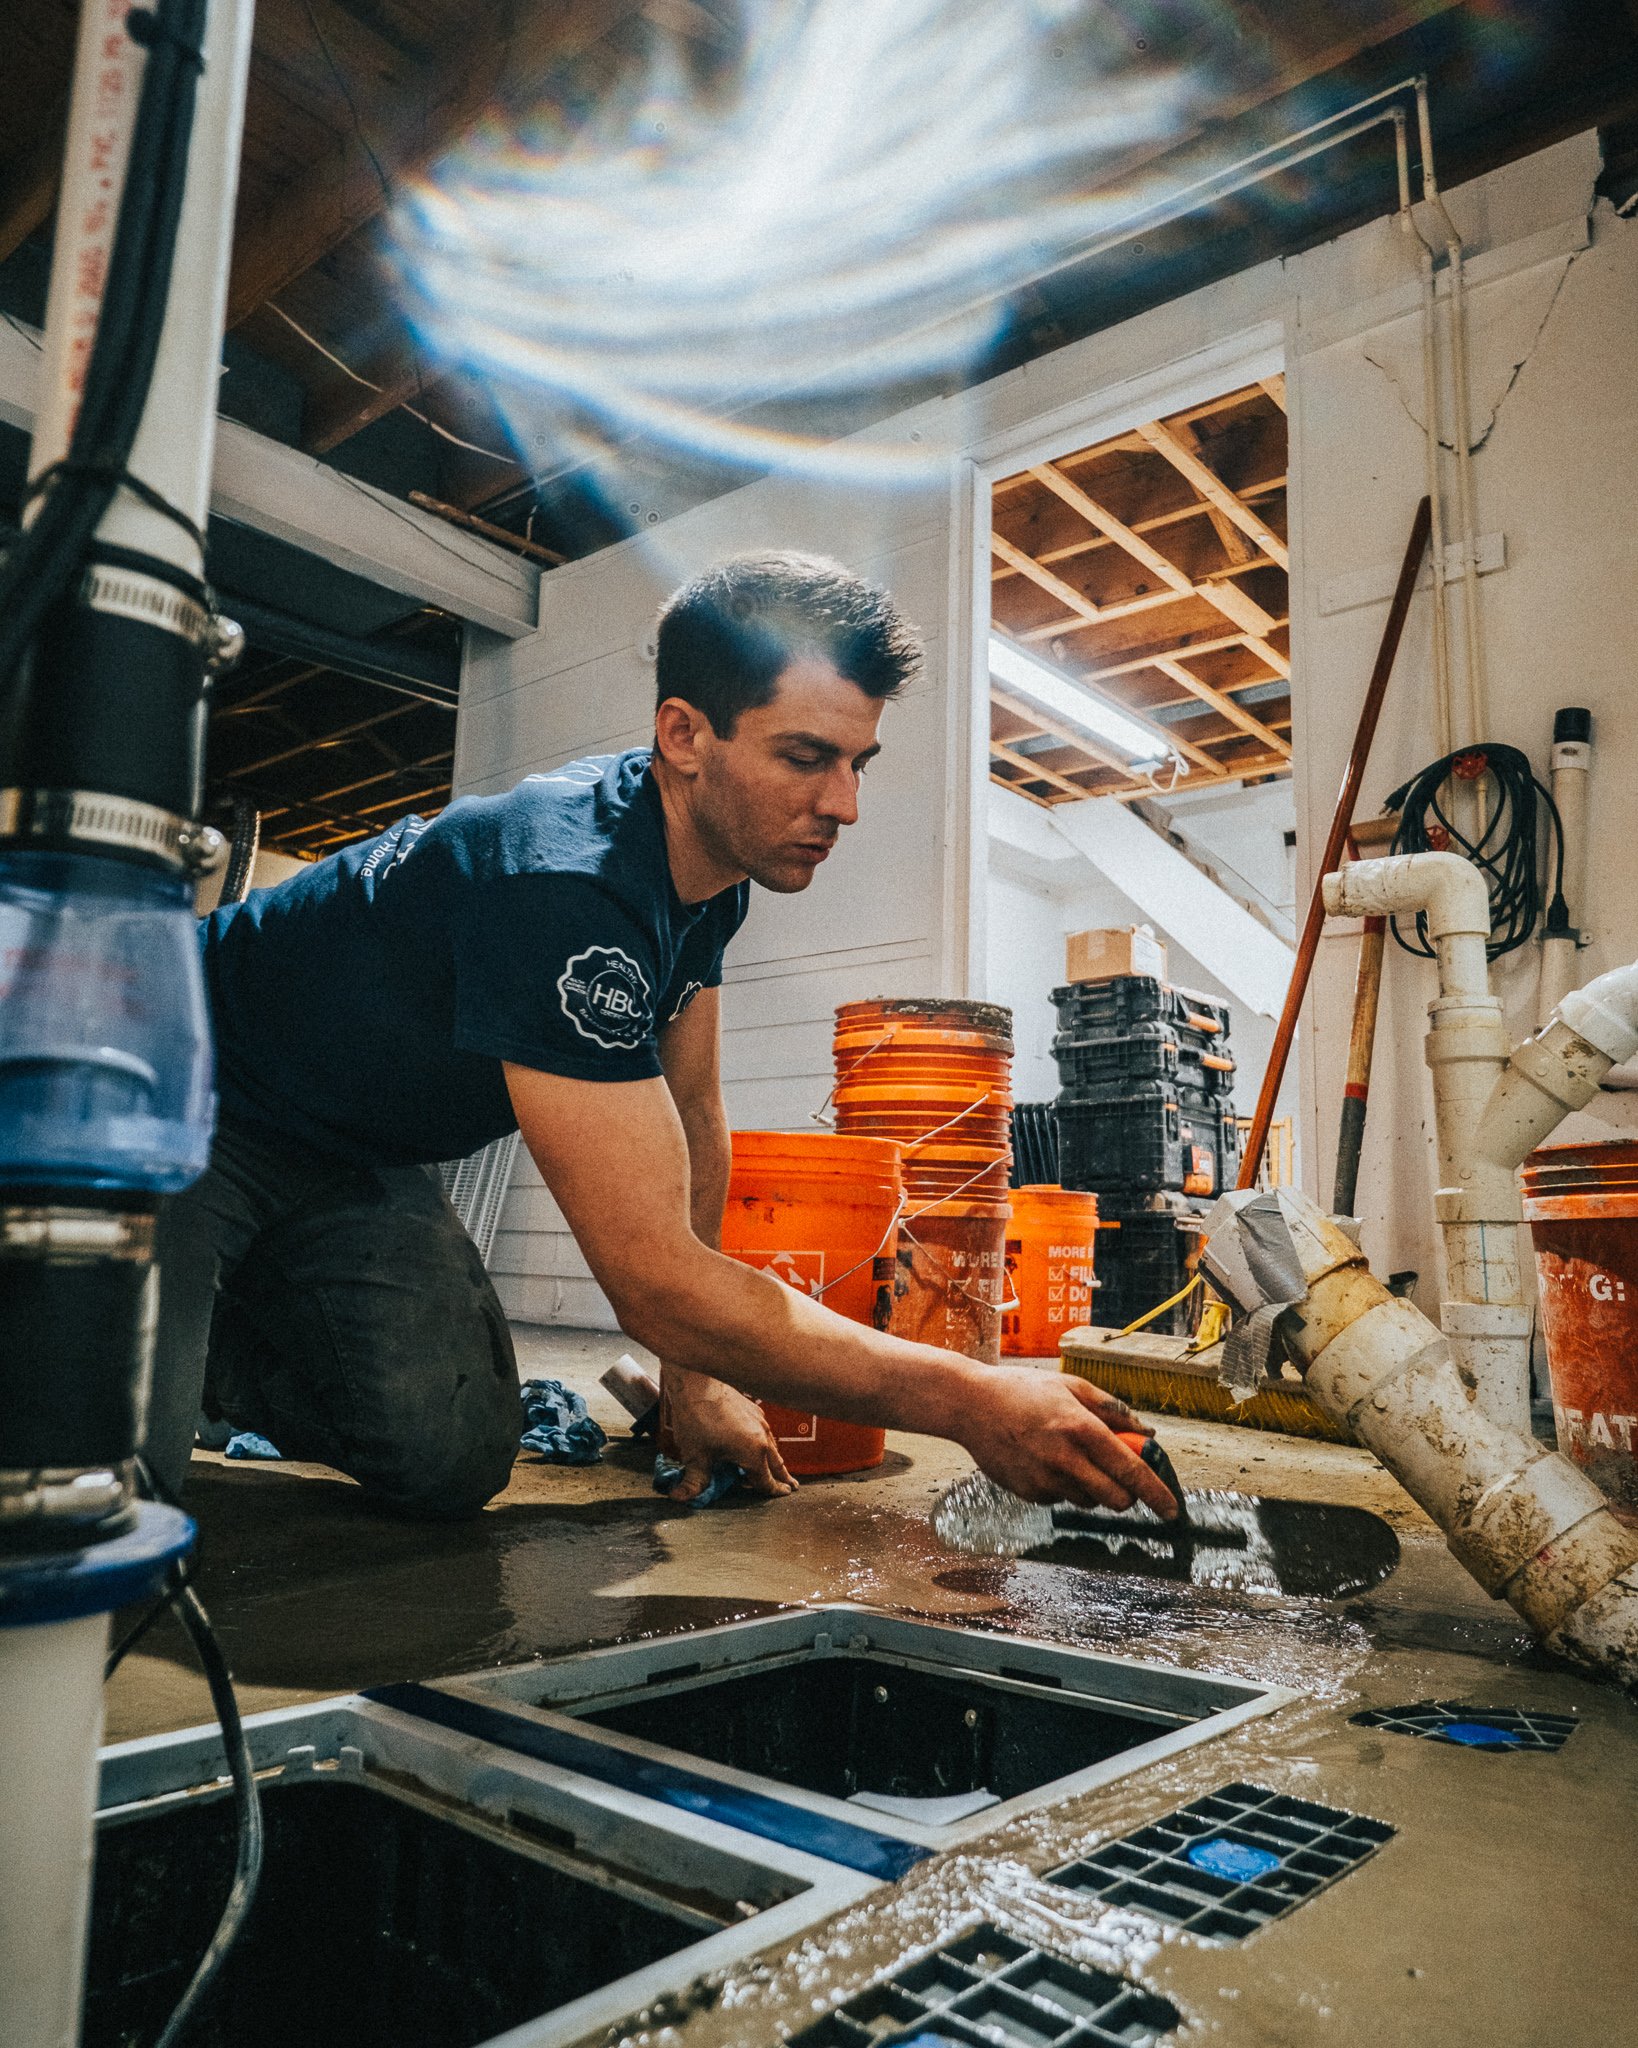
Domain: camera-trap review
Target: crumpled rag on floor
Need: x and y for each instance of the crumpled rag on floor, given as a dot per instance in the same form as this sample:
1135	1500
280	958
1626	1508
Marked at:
560	1428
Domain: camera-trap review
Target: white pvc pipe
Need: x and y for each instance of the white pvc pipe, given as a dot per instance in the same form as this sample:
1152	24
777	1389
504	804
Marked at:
108	68
50	1728
1571	767
1483	1310
176	441
1462	434
1523	1520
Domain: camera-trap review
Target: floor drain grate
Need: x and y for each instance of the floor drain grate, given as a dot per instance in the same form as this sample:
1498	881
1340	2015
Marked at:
1225	1865
1471	1727
989	1989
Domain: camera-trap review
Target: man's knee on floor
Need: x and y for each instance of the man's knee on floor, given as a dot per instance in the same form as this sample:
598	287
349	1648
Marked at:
444	1482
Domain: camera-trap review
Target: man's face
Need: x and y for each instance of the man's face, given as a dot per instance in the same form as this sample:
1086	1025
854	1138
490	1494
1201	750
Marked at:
770	800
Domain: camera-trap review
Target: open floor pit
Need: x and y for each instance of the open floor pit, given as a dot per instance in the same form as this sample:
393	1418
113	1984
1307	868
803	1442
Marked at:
1419	1890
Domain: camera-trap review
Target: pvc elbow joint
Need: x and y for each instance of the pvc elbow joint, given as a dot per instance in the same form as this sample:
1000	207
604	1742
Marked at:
1450	891
1605	1013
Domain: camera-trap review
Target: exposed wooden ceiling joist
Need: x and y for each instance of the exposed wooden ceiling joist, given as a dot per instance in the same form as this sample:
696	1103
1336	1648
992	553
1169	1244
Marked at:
1142	648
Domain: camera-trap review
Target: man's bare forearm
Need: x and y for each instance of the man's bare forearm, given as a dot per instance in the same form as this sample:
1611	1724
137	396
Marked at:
741	1326
710	1161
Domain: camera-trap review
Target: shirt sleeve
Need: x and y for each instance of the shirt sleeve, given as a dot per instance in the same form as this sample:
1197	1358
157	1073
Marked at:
551	972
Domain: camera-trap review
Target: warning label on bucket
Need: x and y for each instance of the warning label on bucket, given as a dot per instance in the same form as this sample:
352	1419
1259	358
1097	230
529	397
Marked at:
805	1271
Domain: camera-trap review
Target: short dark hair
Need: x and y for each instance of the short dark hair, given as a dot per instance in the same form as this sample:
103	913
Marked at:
726	637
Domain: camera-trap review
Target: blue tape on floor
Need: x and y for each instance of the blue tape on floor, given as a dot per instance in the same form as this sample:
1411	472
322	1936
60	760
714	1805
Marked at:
753	1813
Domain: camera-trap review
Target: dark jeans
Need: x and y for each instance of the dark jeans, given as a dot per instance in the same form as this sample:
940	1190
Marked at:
344	1313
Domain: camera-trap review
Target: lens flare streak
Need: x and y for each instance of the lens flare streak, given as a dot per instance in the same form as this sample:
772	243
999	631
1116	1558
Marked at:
841	223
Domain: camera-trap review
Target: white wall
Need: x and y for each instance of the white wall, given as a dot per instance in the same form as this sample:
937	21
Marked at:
1026	962
1555	382
1028	925
1554	312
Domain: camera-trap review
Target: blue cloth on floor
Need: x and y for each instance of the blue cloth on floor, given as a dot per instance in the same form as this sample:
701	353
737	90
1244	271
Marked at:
560	1429
723	1480
249	1443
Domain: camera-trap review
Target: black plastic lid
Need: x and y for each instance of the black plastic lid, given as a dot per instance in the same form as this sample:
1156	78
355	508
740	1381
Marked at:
1572	722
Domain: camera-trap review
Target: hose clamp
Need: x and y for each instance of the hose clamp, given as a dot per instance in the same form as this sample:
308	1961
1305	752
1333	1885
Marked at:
99	823
58	1504
122	592
74	1236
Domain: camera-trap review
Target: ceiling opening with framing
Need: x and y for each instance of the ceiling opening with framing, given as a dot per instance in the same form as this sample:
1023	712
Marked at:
1143	583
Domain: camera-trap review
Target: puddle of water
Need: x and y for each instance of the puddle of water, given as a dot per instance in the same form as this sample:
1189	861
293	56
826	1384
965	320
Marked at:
1230	1540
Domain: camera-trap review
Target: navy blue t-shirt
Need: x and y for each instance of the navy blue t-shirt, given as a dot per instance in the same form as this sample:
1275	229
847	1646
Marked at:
364	1006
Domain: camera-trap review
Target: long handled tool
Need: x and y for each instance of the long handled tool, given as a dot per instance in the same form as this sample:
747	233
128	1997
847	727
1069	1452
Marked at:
1357	1084
1341	818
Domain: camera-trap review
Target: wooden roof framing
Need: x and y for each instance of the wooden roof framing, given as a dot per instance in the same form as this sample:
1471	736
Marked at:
1153	568
349	98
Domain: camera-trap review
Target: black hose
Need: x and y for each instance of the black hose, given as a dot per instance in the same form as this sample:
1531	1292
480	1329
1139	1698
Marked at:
1505	852
247	1869
189	1610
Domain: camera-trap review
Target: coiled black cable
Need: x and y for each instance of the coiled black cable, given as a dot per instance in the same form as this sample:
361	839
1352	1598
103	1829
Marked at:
1506	852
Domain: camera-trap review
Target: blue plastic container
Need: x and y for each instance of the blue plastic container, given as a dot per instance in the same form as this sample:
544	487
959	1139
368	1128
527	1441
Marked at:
105	1057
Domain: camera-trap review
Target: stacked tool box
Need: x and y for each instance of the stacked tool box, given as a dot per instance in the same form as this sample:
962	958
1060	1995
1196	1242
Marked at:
1146	1121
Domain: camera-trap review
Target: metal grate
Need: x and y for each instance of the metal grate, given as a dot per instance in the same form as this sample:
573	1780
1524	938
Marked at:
477	1186
1225	1865
1471	1727
991	1990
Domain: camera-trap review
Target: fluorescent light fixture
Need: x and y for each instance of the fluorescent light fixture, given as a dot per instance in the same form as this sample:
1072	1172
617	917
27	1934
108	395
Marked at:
1074	703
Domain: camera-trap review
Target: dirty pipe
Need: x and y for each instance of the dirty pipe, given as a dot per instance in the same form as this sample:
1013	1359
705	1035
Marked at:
1529	1526
1485	1311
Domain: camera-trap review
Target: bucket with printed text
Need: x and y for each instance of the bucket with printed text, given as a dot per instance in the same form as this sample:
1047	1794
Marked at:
819	1212
1050	1250
935	1076
1581	1202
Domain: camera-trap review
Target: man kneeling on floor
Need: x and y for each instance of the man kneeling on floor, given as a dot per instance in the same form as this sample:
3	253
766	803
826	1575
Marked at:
550	960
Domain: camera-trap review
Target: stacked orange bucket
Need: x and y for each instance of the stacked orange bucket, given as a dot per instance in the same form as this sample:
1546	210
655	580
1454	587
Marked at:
819	1212
935	1077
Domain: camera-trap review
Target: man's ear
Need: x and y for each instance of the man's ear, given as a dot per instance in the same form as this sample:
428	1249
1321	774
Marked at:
680	730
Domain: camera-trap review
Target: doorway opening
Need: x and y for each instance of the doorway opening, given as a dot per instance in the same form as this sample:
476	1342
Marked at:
1139	766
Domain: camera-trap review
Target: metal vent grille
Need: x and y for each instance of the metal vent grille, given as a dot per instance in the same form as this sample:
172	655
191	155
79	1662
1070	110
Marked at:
991	1991
1225	1865
1471	1727
477	1186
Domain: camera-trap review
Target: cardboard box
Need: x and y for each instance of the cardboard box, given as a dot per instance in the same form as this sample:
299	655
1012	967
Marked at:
1096	956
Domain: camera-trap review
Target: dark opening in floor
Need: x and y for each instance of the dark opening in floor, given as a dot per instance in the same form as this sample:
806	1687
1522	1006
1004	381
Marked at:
846	1724
377	1925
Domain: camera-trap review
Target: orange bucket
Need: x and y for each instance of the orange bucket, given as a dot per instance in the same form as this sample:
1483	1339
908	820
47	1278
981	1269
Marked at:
818	1212
1581	1202
951	1287
935	1075
1050	1249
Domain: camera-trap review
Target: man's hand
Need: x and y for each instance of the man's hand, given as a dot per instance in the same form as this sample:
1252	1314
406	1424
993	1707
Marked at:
712	1426
1050	1437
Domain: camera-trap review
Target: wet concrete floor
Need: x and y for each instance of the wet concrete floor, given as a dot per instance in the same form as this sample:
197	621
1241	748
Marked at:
1499	1913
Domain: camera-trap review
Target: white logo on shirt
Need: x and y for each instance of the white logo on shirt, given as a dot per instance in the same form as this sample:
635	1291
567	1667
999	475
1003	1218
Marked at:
690	990
605	996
